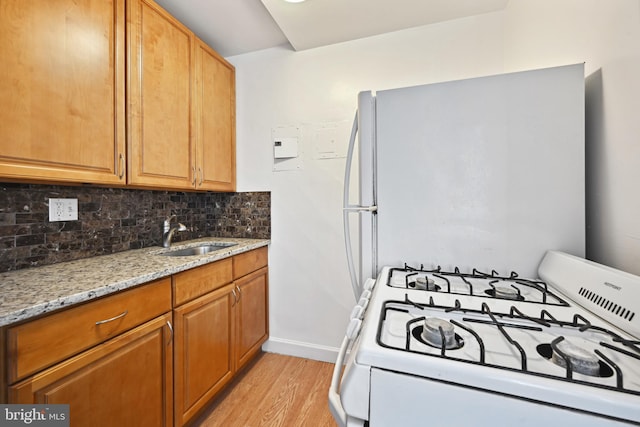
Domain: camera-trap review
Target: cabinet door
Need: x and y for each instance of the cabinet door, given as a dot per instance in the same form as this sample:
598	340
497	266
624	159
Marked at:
252	315
62	91
124	382
161	152
215	120
203	351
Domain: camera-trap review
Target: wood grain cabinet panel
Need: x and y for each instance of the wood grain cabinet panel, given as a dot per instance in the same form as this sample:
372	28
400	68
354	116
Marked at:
214	121
62	90
62	83
218	332
252	317
203	351
35	345
247	262
160	63
126	381
196	282
119	360
181	106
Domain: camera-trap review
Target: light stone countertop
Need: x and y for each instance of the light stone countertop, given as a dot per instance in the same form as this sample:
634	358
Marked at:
31	292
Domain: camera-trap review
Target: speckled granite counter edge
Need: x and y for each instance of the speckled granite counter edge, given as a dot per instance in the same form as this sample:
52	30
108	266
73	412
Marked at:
28	293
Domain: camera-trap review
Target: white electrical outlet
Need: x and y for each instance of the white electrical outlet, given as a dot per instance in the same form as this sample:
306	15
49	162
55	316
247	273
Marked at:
63	210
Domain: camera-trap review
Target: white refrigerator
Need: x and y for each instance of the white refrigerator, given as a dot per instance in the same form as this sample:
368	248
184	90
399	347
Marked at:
485	173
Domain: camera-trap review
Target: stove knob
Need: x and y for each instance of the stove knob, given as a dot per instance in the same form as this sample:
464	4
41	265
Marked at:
366	294
353	328
357	312
363	303
369	284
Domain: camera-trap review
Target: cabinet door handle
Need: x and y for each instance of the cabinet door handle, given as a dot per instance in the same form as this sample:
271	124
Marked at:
239	292
235	297
121	166
170	330
195	176
101	322
201	175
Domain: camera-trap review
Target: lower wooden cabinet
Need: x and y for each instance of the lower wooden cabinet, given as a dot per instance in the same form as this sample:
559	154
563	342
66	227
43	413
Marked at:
251	315
220	331
203	348
126	381
41	343
155	355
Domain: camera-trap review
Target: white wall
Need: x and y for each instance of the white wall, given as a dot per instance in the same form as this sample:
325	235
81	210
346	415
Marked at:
310	294
605	34
309	286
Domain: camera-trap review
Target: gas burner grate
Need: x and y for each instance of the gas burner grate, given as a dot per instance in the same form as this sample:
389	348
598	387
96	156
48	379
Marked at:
469	320
476	283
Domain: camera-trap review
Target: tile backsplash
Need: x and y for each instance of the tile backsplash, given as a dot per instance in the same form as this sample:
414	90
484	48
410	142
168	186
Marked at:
115	219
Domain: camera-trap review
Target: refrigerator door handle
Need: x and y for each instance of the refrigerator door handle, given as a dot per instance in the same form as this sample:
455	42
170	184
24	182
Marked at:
356	208
348	208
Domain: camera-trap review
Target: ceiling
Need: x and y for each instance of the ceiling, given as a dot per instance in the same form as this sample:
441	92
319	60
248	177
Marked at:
233	27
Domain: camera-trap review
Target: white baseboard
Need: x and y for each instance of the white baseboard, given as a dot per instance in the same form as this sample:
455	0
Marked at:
301	349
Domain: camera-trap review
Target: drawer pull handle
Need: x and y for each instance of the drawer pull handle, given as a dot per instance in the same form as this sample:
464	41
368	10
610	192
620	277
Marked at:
101	322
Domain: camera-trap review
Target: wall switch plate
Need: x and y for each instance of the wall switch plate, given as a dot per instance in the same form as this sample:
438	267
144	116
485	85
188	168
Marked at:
63	210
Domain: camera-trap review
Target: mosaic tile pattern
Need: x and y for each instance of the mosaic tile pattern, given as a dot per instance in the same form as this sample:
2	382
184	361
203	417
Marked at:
112	220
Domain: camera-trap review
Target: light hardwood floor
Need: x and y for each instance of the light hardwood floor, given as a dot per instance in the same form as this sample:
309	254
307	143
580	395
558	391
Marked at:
275	390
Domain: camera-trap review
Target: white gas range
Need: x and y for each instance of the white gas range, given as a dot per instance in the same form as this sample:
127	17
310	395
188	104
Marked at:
462	348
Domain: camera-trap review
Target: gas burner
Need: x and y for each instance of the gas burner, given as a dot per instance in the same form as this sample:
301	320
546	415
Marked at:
582	361
505	292
433	330
425	283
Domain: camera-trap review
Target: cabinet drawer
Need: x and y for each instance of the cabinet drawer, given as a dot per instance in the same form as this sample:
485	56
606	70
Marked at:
35	345
198	281
247	262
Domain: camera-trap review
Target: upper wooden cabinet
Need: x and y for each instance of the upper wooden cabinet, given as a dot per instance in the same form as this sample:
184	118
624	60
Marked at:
215	120
181	105
63	85
62	89
161	150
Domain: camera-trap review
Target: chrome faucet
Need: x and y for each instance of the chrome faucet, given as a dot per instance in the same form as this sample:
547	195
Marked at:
168	230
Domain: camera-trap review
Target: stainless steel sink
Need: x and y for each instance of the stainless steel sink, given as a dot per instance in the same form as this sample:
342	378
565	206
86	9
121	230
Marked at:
197	250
